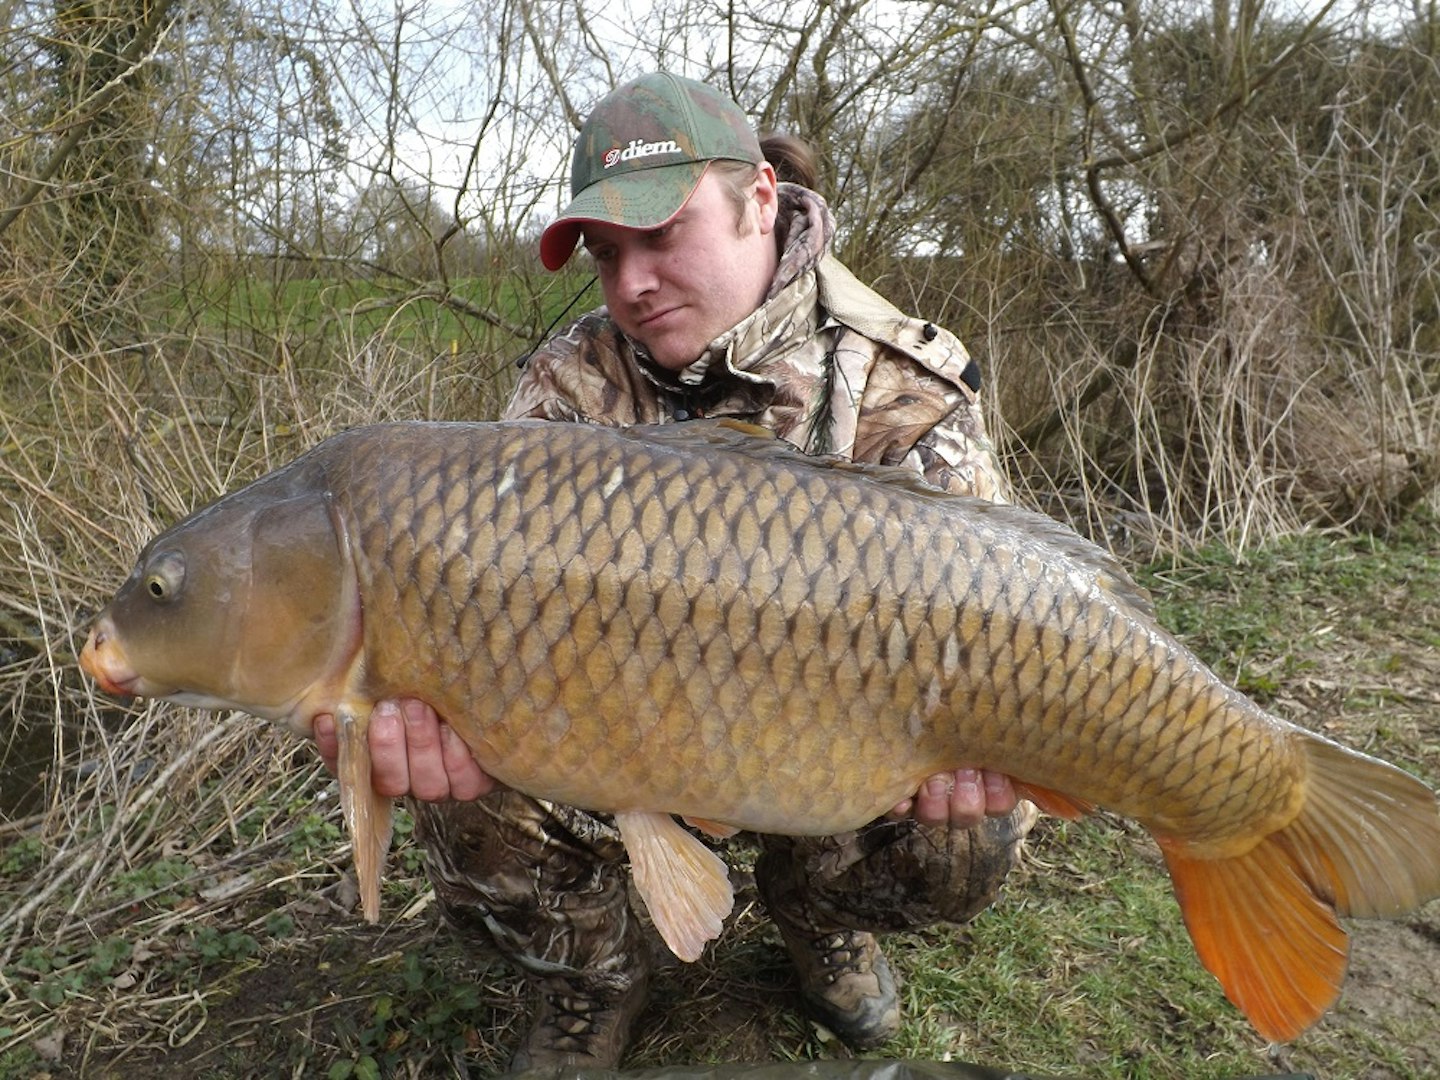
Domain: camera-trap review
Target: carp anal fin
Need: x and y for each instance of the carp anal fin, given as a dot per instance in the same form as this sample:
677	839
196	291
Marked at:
684	884
368	815
1054	803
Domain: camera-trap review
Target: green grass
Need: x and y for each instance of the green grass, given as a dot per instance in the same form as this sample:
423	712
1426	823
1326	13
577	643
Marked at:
359	309
1084	968
1261	620
1283	595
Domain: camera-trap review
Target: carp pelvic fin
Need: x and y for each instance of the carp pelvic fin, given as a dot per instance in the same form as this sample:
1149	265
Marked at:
712	828
1366	842
684	884
368	815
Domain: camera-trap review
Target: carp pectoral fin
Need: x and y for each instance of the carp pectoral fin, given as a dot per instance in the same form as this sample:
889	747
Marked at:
368	816
712	828
1277	949
1054	803
684	884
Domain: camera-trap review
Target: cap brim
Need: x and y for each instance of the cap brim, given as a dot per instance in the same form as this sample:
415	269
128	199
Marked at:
557	243
643	199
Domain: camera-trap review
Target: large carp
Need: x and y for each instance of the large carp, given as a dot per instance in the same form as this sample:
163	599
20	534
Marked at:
698	620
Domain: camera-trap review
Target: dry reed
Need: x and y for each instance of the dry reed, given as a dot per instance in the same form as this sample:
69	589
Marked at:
97	454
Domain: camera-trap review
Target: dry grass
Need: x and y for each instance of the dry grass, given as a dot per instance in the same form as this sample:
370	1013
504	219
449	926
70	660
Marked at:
97	455
1156	428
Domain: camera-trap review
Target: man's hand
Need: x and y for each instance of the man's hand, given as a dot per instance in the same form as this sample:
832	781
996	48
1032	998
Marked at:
412	752
961	799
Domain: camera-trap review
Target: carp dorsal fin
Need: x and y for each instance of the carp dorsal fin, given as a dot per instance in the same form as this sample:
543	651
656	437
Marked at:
725	432
763	445
1110	574
685	885
744	427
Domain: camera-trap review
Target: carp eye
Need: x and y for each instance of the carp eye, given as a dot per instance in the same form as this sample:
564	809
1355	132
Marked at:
166	575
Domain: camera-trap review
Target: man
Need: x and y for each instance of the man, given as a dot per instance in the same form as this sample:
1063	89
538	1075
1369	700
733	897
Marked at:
721	300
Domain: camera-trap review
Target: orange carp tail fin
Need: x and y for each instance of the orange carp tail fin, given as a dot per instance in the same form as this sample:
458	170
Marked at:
1258	926
1366	843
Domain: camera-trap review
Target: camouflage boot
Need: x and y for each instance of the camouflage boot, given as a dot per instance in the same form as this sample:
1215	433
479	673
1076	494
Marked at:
545	885
582	1022
890	875
845	981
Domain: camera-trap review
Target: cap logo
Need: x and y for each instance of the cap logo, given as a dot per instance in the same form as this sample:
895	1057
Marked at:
638	149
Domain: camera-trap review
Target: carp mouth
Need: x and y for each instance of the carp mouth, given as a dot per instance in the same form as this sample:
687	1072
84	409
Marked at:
103	660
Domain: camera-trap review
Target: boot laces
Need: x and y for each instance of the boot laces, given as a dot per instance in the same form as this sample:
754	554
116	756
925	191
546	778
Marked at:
842	953
573	1016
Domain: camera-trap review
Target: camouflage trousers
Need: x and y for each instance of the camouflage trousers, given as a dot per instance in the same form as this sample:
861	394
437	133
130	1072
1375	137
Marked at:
547	885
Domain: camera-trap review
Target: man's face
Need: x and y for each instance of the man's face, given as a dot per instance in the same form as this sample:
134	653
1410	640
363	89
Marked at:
677	288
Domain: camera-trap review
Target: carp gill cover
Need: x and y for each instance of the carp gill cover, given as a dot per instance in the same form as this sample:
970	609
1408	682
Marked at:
698	620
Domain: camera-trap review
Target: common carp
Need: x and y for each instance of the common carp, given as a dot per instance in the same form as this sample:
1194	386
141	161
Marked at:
698	620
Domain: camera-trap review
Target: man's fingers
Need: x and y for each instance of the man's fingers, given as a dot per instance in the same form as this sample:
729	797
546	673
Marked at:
961	799
1000	797
389	762
901	810
327	741
467	779
429	778
411	753
967	799
932	801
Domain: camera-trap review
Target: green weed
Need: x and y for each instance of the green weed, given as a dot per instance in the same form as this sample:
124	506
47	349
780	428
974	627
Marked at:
314	834
19	1060
215	946
53	975
22	857
435	1011
162	882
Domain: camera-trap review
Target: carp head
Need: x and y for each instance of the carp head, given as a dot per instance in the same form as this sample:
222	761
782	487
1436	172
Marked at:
246	604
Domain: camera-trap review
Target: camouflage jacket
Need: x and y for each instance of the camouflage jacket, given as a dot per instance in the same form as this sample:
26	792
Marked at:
824	362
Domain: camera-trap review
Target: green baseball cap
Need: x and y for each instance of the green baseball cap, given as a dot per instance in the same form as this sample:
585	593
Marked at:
641	155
